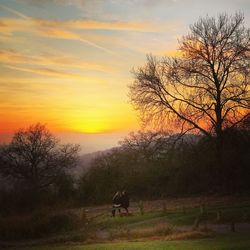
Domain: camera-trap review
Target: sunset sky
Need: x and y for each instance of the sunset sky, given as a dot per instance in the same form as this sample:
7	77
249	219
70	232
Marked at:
67	63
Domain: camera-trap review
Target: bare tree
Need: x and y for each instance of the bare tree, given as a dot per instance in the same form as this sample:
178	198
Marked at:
36	157
207	88
147	144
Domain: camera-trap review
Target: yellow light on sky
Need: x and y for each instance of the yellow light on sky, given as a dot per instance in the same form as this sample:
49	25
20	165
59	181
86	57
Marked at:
67	63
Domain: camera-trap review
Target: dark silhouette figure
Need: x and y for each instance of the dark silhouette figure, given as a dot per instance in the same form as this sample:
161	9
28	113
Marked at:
125	201
116	203
120	200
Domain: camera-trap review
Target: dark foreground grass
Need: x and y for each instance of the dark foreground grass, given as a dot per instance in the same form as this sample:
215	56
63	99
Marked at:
221	242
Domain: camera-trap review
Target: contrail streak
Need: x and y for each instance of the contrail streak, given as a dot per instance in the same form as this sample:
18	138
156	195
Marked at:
14	12
19	14
97	46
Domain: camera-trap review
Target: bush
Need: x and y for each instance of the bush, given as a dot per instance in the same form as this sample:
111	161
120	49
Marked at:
38	224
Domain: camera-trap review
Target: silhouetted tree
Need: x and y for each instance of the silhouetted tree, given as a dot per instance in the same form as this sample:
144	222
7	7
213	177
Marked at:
207	88
35	157
147	144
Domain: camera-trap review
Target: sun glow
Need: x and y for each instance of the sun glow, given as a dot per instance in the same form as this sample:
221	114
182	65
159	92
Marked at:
90	127
117	118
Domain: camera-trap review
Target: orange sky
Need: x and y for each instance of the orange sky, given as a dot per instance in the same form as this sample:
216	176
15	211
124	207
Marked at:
67	63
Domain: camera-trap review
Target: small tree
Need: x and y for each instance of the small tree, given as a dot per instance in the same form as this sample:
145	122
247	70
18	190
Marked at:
147	145
35	156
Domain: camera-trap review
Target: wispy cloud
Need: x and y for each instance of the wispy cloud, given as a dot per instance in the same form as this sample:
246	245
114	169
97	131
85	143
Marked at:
117	25
73	30
46	71
68	30
10	25
43	28
11	56
14	24
59	33
51	75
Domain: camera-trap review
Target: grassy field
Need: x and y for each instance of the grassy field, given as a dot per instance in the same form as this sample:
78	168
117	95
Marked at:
182	225
222	242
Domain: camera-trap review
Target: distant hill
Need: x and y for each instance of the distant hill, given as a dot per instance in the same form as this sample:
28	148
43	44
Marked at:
86	159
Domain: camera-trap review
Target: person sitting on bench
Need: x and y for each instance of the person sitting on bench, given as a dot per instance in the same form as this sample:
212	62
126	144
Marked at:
116	203
125	201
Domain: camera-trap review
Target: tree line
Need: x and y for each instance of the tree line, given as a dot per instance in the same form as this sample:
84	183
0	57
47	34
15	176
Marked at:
149	165
152	165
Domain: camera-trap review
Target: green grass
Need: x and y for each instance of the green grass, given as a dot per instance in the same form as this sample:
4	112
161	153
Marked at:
222	242
111	223
228	214
158	223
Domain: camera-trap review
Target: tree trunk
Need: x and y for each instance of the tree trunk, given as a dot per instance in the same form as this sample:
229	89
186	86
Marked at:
219	144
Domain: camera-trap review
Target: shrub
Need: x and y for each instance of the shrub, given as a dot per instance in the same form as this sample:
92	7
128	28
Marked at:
38	224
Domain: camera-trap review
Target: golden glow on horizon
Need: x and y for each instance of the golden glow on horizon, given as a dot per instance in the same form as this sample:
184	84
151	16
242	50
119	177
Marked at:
85	106
95	122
